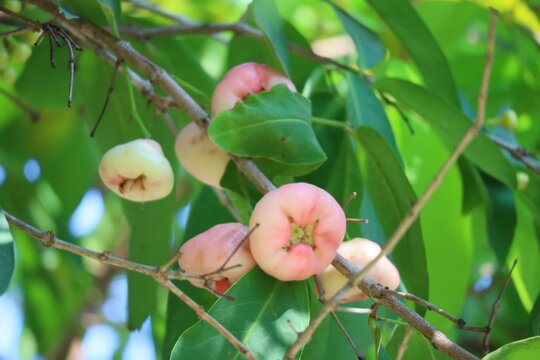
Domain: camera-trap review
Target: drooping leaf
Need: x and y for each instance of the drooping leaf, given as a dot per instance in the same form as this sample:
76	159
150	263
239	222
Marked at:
151	233
274	126
7	256
265	317
364	108
370	49
405	22
269	21
522	349
179	316
392	197
451	125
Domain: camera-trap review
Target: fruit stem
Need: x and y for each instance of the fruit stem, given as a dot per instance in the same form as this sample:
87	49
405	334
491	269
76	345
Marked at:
133	107
332	123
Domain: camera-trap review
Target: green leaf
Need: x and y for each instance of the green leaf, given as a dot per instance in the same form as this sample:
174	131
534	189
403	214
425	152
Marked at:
392	197
501	217
273	125
328	341
364	108
405	22
179	316
523	349
474	190
370	49
265	317
112	10
534	319
451	125
269	21
7	256
526	275
151	233
446	232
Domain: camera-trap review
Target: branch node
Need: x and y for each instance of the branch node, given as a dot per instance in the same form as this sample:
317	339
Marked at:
104	256
48	238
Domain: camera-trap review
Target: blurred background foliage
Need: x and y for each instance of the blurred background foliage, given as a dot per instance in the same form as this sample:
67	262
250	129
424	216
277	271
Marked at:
473	228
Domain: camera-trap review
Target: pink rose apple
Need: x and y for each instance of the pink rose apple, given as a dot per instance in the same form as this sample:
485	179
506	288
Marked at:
300	228
137	171
199	156
245	79
208	251
359	252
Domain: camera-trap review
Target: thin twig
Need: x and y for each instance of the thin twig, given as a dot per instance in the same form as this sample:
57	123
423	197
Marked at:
348	337
404	344
238	28
227	204
49	239
235	250
24	19
349	198
414	212
495	308
518	153
19	31
107	98
350	340
432	307
353	310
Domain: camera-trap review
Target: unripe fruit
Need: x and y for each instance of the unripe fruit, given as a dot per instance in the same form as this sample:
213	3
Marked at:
137	171
20	51
245	79
300	229
9	75
508	120
208	251
359	252
522	180
199	156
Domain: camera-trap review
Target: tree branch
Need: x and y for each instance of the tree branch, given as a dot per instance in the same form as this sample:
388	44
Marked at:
496	306
189	26
158	273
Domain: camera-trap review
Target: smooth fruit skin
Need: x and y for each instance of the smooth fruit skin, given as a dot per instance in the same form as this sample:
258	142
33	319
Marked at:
302	211
199	156
208	251
359	252
137	171
245	79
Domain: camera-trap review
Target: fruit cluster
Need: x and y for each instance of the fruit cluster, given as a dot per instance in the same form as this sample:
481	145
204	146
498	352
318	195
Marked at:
296	229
